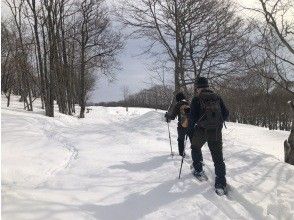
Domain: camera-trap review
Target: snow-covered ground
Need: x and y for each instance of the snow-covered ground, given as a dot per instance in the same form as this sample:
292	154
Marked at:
116	165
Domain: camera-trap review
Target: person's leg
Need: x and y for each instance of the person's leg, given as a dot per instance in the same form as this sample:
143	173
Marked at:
215	147
197	142
181	140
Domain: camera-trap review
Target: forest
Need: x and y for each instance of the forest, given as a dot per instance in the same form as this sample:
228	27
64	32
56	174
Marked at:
57	49
52	49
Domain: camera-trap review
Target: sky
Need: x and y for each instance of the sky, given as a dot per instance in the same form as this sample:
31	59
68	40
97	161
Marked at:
134	72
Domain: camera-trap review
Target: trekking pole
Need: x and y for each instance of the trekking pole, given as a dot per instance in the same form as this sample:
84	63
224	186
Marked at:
182	158
181	167
170	143
171	148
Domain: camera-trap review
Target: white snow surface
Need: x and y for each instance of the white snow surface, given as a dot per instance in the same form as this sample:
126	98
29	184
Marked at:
117	165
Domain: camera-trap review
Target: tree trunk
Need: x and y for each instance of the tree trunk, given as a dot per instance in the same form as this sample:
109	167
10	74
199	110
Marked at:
8	97
177	59
289	144
82	83
52	61
39	53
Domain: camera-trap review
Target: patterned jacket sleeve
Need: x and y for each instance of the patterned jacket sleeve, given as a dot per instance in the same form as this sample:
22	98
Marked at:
175	111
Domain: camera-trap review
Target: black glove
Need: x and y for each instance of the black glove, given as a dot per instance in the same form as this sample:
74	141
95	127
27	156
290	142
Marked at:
182	153
167	117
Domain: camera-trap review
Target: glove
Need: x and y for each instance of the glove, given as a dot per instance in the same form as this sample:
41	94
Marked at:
167	118
182	153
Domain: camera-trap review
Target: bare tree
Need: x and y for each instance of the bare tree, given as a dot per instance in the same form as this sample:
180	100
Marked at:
32	6
8	72
98	44
215	37
162	23
275	13
198	37
52	50
274	44
16	8
276	50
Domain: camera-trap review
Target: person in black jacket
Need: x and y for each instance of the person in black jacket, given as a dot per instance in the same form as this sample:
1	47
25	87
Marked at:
176	112
210	132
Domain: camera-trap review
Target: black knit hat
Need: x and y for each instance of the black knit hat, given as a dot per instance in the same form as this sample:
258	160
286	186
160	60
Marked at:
180	96
201	82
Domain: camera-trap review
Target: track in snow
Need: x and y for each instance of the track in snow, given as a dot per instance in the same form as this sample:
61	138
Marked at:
118	166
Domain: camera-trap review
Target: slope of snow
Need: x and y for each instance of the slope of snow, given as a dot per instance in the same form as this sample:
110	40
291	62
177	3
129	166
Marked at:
116	165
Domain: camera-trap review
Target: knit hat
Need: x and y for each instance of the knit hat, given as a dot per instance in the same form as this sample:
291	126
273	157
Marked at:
180	96
201	82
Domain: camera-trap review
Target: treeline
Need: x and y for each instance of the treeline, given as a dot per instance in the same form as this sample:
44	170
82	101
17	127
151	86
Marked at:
52	49
157	97
251	100
255	100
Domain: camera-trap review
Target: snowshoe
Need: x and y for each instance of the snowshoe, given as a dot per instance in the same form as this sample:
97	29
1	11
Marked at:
221	190
201	176
191	167
187	156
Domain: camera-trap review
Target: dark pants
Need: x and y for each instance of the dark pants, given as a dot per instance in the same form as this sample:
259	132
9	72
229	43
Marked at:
214	140
181	138
181	141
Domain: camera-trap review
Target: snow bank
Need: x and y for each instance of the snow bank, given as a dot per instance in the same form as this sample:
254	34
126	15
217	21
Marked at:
258	138
32	149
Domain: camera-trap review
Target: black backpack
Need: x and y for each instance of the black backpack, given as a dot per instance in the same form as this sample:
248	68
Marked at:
210	114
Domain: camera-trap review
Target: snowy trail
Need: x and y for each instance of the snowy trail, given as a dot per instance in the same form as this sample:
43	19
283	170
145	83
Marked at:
116	165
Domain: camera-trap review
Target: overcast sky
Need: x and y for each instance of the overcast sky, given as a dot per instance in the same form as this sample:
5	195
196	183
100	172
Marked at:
134	72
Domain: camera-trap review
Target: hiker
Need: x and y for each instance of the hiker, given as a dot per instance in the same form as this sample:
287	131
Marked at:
180	110
207	115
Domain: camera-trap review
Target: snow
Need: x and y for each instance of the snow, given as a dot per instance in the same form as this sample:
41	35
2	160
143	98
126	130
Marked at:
116	165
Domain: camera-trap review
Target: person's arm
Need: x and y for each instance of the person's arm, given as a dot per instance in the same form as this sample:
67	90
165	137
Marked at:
175	111
225	111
